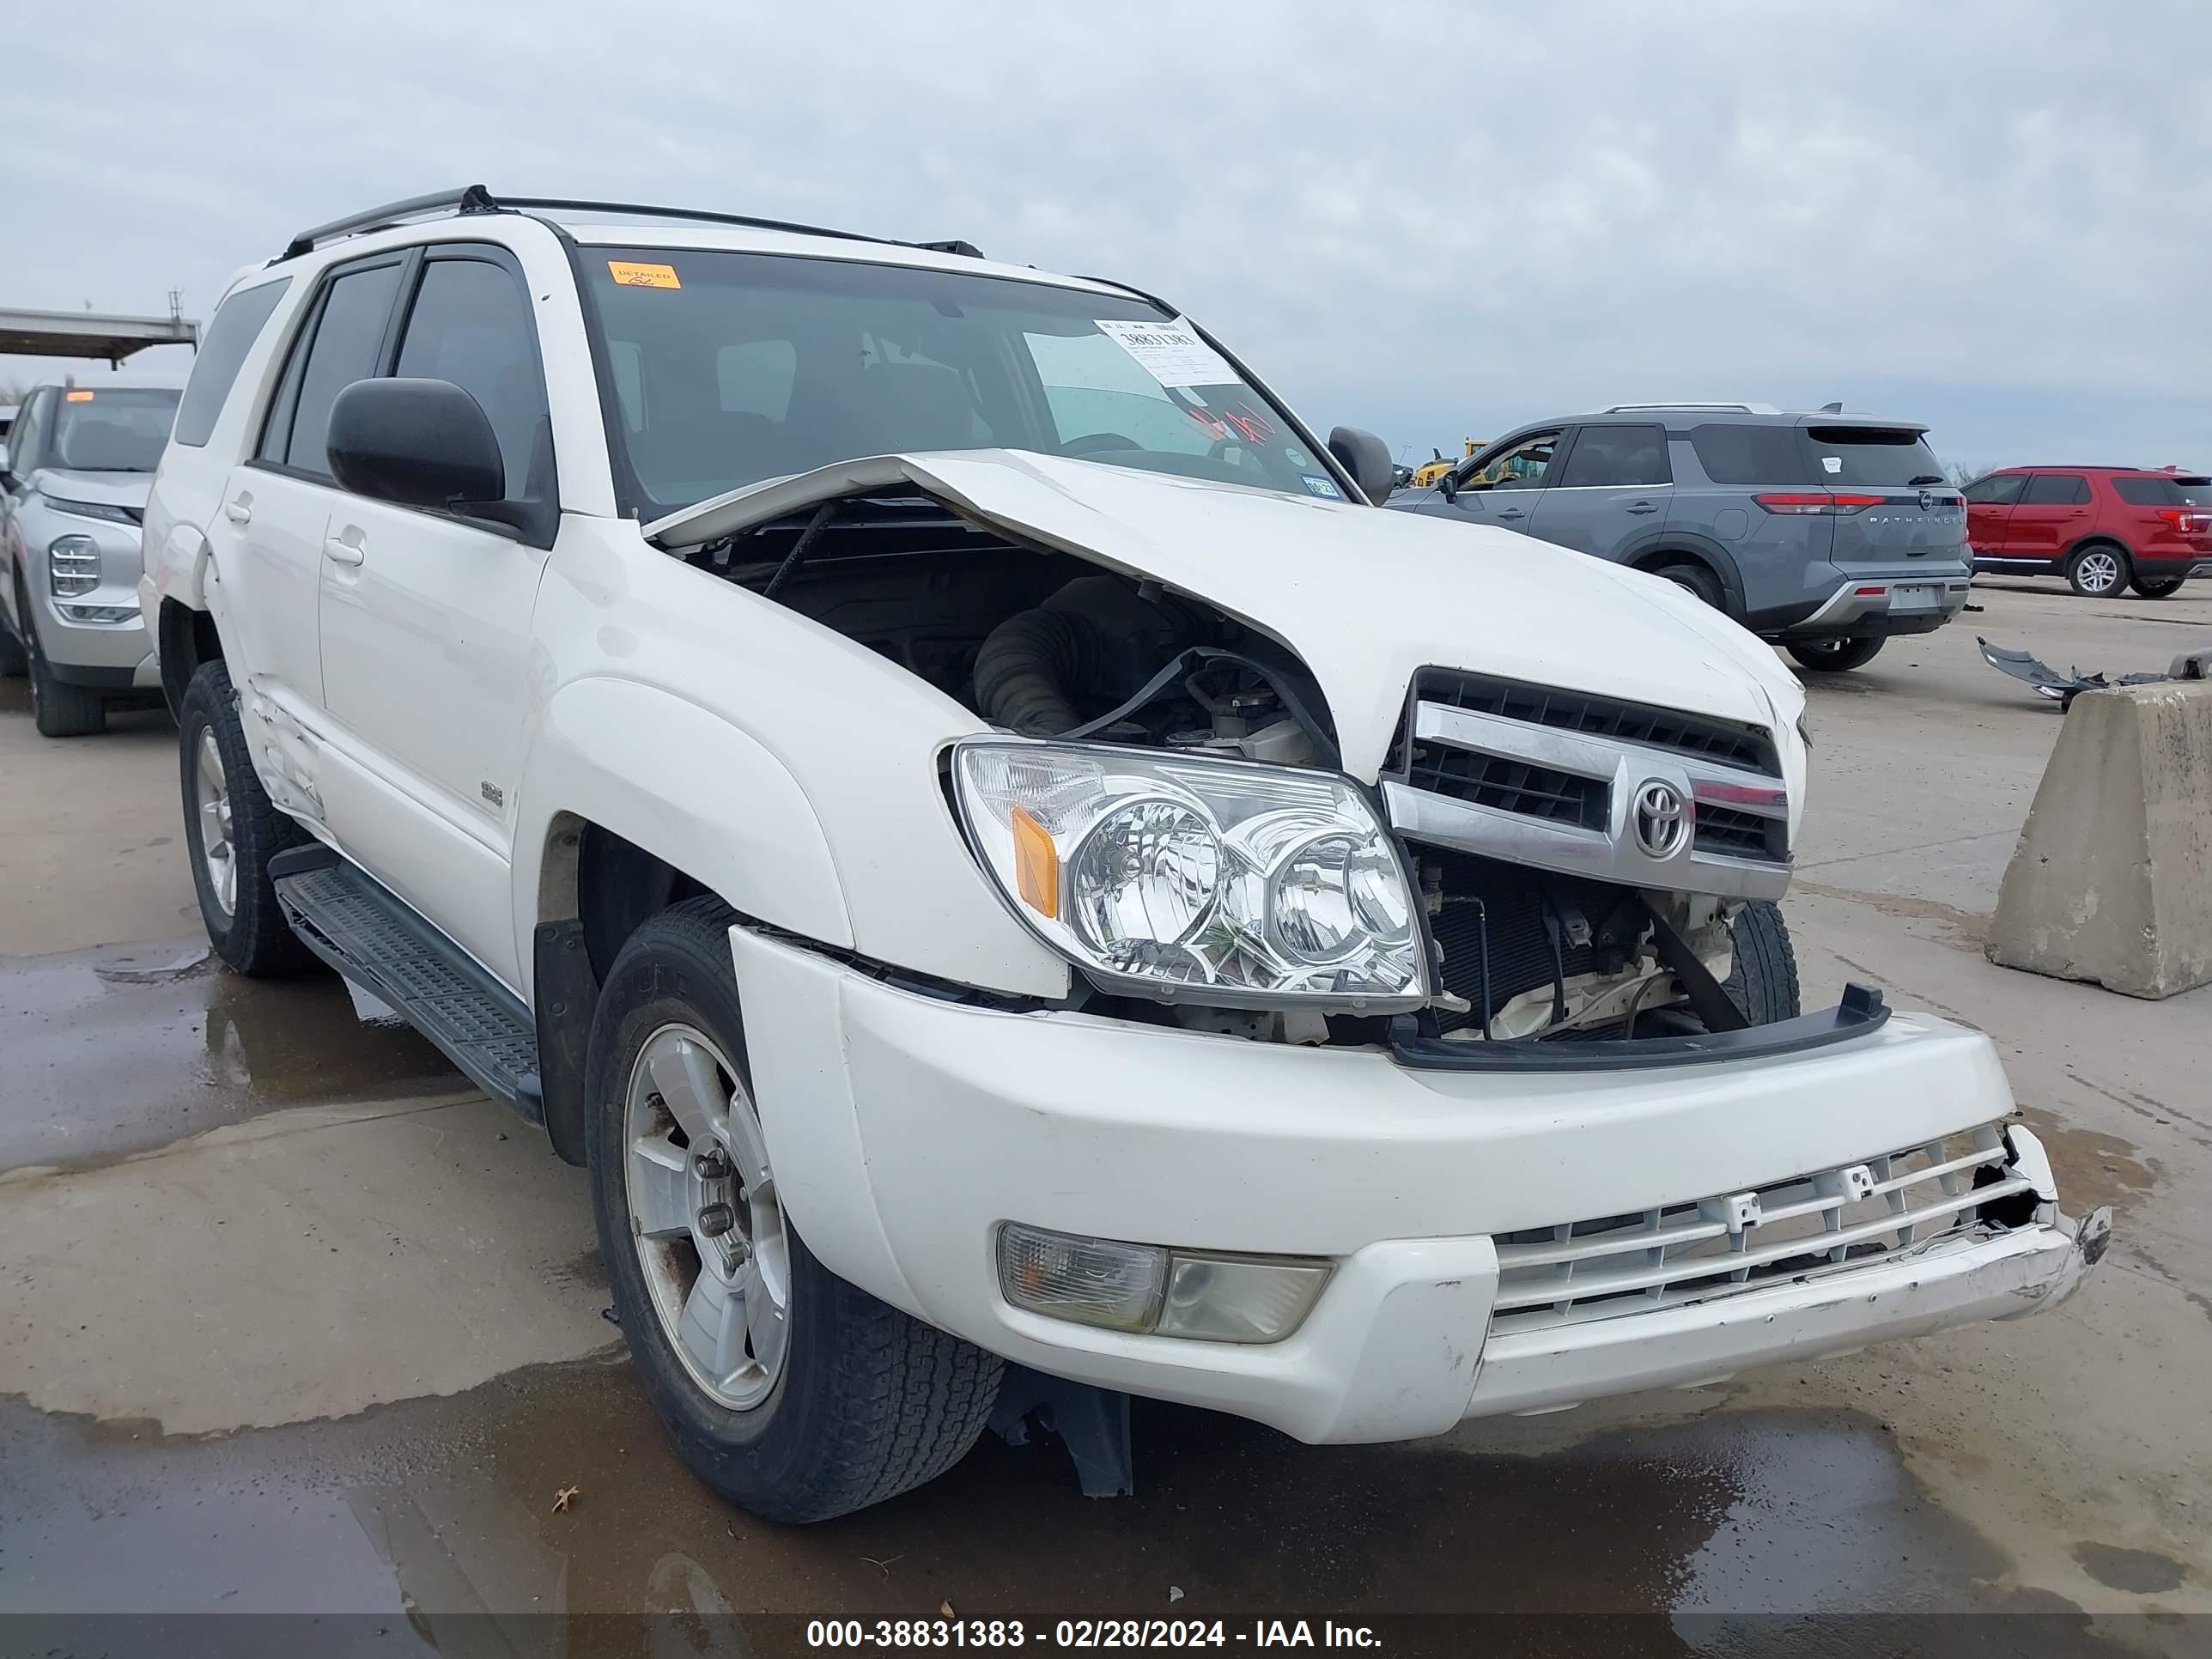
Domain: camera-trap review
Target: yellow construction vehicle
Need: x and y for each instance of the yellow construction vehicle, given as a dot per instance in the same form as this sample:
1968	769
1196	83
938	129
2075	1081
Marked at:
1428	474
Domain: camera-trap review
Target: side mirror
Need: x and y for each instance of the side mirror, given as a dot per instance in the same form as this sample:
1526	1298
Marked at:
1367	458
419	443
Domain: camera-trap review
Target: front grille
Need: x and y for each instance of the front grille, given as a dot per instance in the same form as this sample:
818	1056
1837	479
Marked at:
1623	1265
1741	835
1509	786
1750	747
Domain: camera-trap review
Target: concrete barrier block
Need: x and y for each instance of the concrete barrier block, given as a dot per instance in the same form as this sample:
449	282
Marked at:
2112	878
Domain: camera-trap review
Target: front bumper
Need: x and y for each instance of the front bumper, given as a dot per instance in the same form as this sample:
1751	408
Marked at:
904	1128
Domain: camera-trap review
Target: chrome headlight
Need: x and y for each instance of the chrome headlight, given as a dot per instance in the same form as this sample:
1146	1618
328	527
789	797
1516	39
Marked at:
72	566
1207	880
93	510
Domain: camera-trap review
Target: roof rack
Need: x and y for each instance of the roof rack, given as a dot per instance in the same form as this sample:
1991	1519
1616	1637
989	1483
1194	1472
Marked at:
1726	408
475	199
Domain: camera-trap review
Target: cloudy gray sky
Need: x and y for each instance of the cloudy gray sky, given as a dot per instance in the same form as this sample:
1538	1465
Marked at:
1430	220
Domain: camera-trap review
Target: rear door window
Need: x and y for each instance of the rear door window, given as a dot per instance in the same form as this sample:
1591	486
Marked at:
2055	489
1749	454
2151	492
1999	491
1882	456
1631	456
238	324
345	346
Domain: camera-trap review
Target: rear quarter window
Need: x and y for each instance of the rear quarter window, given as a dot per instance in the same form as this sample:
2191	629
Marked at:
2151	492
1732	454
1877	455
238	324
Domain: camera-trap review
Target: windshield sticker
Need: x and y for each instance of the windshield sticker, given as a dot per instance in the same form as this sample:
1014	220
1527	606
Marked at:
1834	463
1171	353
1325	487
630	274
1296	456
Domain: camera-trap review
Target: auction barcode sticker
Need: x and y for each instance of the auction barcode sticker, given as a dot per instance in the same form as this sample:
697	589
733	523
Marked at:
1171	353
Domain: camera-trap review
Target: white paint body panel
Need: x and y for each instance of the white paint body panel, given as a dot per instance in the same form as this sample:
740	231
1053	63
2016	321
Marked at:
796	775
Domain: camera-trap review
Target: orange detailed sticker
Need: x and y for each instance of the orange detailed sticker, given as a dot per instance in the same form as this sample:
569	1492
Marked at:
630	274
76	398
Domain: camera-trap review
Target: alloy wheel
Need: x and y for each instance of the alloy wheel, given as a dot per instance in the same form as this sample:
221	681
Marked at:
2098	571
211	793
704	1217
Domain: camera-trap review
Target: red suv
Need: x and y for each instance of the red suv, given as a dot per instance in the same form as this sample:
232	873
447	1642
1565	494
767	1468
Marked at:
2101	527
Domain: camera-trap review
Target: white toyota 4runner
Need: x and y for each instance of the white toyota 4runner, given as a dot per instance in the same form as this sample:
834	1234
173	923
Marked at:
1023	887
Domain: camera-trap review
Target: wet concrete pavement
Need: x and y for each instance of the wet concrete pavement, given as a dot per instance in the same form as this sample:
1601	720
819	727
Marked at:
300	1326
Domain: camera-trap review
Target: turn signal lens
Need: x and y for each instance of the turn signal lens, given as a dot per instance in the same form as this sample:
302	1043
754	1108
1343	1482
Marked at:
1036	865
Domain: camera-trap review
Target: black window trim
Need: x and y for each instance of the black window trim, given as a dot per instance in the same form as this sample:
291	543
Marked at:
301	346
1562	430
539	515
543	517
1565	461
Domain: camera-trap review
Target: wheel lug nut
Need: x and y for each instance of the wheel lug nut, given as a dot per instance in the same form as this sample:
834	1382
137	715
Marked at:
710	1166
716	1219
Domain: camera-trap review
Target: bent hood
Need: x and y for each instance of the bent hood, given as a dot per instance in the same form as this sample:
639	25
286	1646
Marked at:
1363	596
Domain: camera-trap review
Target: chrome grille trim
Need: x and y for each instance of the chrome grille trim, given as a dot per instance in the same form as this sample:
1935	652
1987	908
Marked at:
1828	1221
1608	850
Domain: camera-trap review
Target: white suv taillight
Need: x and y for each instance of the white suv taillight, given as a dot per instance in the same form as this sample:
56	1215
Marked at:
72	566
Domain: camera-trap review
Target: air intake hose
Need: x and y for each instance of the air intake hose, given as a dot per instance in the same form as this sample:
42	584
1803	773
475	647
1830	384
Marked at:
1095	641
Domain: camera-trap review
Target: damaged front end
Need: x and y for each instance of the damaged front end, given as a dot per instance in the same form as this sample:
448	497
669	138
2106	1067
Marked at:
1528	873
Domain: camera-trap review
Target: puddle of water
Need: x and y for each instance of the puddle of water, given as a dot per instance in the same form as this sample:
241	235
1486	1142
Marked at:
108	1052
446	1509
2092	1168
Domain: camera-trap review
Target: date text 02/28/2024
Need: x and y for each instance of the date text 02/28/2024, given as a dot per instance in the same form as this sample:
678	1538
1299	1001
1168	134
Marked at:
1070	1634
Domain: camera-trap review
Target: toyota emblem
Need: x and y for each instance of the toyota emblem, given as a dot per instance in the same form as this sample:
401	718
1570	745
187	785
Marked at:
1662	818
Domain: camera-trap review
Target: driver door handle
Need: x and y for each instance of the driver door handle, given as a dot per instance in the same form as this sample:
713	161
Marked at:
1512	512
1641	507
239	511
339	550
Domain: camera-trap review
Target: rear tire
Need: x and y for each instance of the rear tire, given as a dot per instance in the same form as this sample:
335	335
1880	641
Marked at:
1763	981
226	806
2098	571
1695	579
1835	656
799	1407
2159	587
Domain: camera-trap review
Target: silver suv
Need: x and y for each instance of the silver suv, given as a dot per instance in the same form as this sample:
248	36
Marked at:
80	462
1826	533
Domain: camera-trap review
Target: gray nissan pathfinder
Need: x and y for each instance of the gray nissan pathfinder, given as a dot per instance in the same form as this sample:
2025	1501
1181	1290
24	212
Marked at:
1825	532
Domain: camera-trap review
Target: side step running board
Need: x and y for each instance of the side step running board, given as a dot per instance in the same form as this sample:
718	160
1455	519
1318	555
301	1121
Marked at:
378	940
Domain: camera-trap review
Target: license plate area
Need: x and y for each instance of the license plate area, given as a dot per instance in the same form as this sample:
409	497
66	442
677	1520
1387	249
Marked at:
1916	596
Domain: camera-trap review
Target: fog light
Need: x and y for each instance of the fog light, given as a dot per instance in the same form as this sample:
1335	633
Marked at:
99	613
1218	1299
1146	1289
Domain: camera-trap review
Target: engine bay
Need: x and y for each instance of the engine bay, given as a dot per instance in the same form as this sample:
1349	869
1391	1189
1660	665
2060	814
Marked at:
1047	644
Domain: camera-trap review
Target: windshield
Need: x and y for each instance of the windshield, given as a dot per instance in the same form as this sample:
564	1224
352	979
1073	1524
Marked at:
1872	455
118	431
729	368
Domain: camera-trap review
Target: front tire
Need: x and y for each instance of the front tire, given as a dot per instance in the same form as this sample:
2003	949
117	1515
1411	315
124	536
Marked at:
232	830
793	1394
58	710
2098	572
1762	980
1835	656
